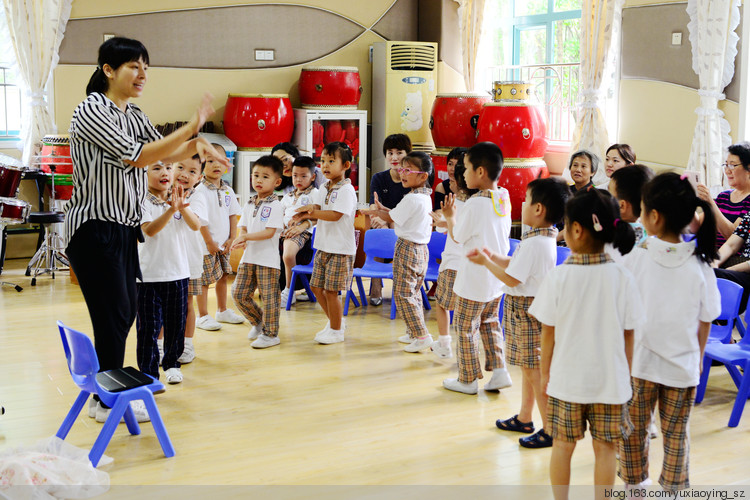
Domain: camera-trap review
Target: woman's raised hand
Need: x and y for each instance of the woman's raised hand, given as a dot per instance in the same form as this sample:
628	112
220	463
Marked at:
203	113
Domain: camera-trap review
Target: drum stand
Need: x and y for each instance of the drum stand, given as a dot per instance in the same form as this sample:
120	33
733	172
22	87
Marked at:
51	252
6	283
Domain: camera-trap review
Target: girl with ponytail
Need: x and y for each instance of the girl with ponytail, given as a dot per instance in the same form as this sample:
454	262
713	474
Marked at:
681	300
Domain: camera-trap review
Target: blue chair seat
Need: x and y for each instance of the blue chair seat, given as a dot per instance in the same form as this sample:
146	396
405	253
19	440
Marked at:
302	271
736	359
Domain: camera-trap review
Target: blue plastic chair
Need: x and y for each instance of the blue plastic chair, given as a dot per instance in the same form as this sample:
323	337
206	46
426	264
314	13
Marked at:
84	368
513	245
562	254
735	357
731	295
435	247
302	271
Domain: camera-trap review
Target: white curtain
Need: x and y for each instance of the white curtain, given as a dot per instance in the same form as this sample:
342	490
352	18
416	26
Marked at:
600	25
36	28
470	17
711	27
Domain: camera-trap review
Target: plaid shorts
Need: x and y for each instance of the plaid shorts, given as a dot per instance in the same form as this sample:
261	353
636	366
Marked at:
214	267
300	239
195	287
332	271
409	267
446	297
675	405
266	280
567	421
523	333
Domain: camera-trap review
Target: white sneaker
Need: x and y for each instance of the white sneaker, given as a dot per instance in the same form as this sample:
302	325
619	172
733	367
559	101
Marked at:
452	384
500	380
330	337
405	339
441	350
285	297
255	331
420	344
188	354
229	316
302	297
642	484
141	414
93	404
264	341
207	323
174	375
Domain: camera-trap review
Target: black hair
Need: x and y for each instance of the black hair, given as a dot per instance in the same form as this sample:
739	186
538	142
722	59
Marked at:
397	141
305	162
457	154
629	182
115	52
489	156
552	193
271	162
675	200
458	174
340	150
742	151
593	159
423	162
625	152
287	147
597	212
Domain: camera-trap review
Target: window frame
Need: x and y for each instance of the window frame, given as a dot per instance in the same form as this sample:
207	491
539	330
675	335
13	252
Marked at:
548	19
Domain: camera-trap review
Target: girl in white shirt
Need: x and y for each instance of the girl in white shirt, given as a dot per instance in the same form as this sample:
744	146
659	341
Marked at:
681	299
588	308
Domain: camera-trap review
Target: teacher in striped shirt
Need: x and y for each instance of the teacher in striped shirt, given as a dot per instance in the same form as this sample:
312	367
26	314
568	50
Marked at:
112	141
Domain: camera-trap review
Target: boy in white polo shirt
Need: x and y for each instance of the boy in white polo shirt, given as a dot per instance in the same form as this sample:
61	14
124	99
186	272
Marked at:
223	211
484	221
259	228
162	295
413	225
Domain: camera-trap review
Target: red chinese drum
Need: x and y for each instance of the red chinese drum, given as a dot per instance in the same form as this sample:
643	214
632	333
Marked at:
453	120
56	151
439	166
330	87
258	121
516	175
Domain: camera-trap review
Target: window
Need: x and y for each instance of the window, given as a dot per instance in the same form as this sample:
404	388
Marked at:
10	90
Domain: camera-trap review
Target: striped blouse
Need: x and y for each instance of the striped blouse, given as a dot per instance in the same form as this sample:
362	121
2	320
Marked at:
732	211
104	187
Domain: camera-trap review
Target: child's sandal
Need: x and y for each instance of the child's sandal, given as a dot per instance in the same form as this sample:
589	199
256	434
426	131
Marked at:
515	425
539	440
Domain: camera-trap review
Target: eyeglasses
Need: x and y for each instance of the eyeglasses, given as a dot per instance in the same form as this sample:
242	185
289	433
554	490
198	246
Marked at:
731	165
407	171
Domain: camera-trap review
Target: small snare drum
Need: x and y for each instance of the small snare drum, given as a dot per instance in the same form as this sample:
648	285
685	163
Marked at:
10	179
13	211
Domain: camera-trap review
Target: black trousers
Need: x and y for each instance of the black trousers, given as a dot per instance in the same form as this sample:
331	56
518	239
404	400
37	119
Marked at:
104	257
739	277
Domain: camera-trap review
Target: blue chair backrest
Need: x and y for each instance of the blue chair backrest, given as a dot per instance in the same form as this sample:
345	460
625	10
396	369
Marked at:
81	355
562	254
380	243
513	244
731	295
436	245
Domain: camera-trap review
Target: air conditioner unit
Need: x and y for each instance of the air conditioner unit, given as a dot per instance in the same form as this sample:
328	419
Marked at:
404	85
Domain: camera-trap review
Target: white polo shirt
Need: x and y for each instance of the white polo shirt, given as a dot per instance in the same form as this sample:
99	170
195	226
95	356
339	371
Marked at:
163	256
534	257
220	203
411	217
484	221
258	215
678	290
194	243
590	307
337	236
453	251
292	201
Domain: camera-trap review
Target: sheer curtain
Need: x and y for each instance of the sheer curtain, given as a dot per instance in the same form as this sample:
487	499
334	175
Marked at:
711	27
600	25
36	28
470	18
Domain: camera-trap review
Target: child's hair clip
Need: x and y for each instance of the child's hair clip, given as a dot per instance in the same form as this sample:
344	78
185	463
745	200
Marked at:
617	221
683	177
597	225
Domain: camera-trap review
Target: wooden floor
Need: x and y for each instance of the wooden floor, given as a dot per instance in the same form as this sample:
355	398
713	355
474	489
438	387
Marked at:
359	413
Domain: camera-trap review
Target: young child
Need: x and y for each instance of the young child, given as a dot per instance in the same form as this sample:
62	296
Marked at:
681	300
535	256
162	294
413	225
626	185
484	221
334	210
222	211
588	308
296	236
259	228
449	260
